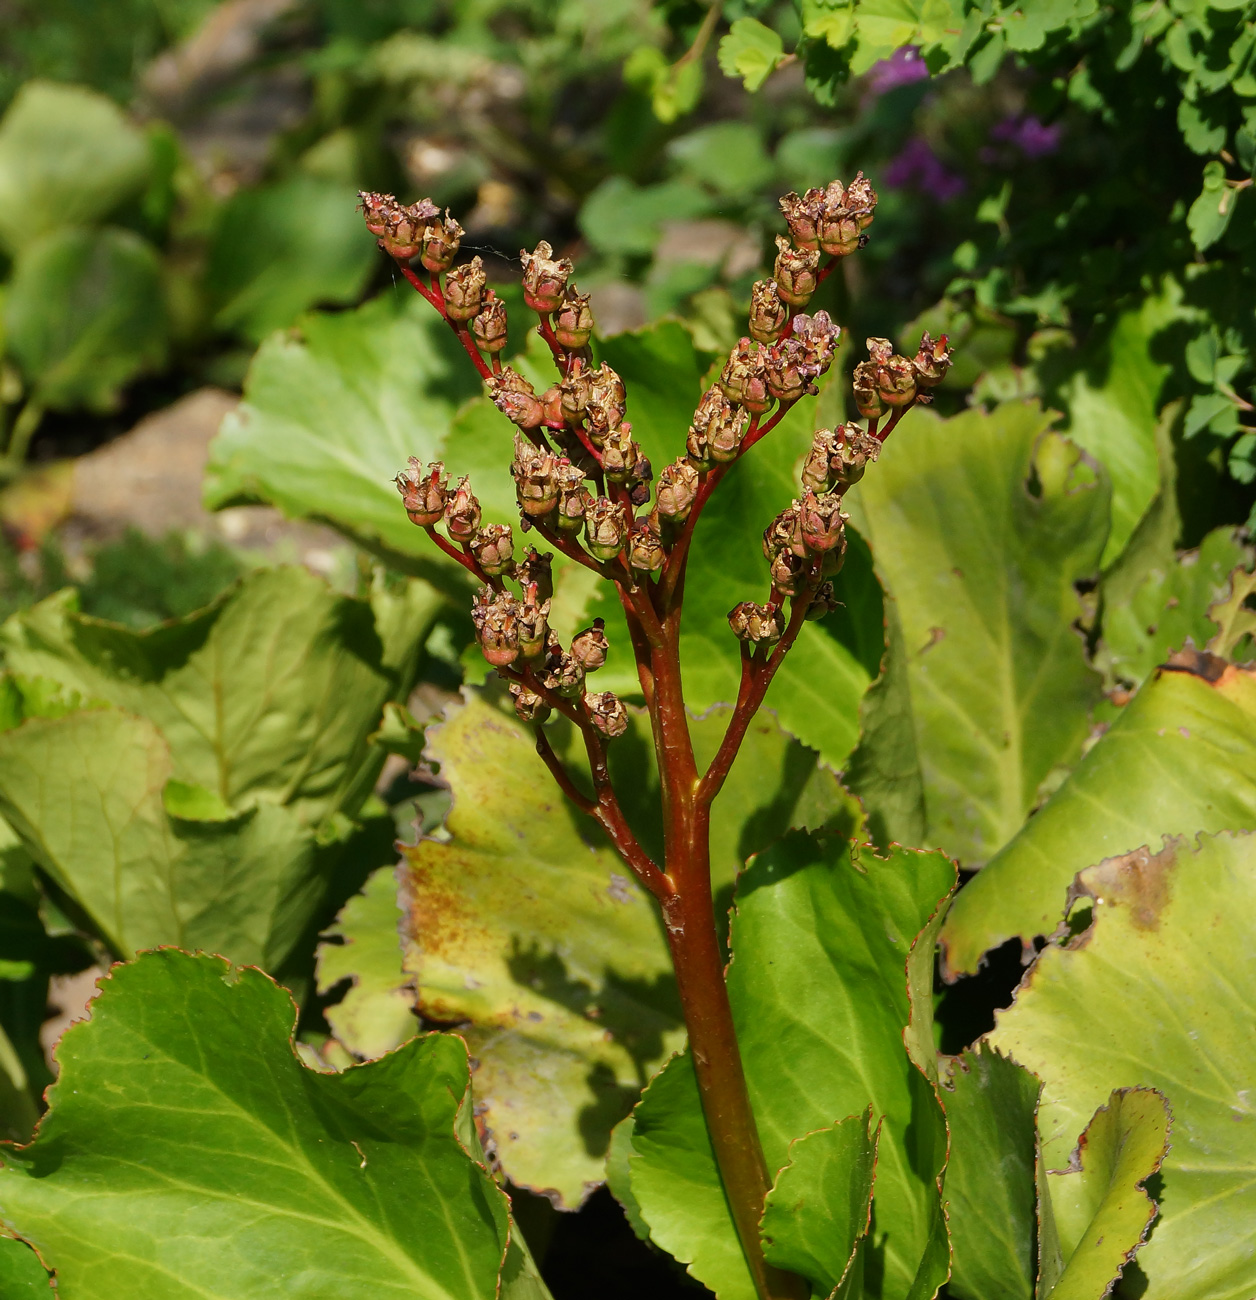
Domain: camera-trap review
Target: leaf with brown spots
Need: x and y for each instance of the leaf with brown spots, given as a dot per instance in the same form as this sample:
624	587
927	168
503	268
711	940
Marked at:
1180	758
527	931
1159	992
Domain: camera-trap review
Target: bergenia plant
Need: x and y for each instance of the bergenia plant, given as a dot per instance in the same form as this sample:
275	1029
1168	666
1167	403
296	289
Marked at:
586	490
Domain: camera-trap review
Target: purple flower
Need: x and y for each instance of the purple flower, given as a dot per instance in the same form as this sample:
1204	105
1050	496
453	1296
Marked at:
917	167
902	68
1032	137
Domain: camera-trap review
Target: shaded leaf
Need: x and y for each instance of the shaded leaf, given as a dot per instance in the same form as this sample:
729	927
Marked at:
1234	617
329	418
67	157
84	315
187	1151
84	792
377	1012
1180	758
819	940
280	249
750	51
527	925
268	695
980	552
1100	1210
990	1105
1164	983
820	1207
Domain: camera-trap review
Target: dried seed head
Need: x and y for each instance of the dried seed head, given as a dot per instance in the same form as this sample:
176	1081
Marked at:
861	200
495	617
607	712
529	706
544	278
725	432
821	522
375	209
758	624
605	528
620	454
697	444
802	215
441	241
768	313
423	491
573	325
589	648
678	486
607	402
575	392
404	227
489	326
932	361
535	472
867	395
535	570
516	399
645	551
493	549
856	449
818	473
573	496
533	622
552	406
564	675
788	572
795	272
895	375
639	484
786	371
743	378
784	533
818	336
823	602
462	512
464	290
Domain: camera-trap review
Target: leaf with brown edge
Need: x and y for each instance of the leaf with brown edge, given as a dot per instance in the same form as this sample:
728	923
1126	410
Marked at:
1100	1209
1159	991
1180	758
820	1207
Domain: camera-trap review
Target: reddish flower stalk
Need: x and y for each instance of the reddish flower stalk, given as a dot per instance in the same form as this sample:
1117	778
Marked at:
575	434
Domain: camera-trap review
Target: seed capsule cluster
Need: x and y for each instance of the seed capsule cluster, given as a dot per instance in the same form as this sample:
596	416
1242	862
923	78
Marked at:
584	483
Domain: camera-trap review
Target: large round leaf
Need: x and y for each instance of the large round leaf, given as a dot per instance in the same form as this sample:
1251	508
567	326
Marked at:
1160	992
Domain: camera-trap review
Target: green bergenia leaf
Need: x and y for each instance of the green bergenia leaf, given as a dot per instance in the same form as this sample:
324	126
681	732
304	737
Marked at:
819	940
188	1152
1180	758
1100	1211
750	51
1158	993
980	525
22	1276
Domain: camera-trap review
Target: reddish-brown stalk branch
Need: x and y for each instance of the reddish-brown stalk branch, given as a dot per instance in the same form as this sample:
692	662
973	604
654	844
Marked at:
753	435
572	550
754	686
437	299
455	554
560	773
546	331
899	412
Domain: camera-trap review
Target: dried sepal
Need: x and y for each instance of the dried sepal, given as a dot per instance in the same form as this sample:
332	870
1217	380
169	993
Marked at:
744	378
590	647
489	325
788	572
375	208
573	496
894	376
932	361
533	623
607	403
758	624
818	335
677	490
786	371
536	570
796	272
424	491
535	471
574	394
855	451
516	399
866	392
493	549
544	277
645	550
768	314
784	532
494	616
464	290
821	523
573	322
462	512
441	241
529	706
620	454
605	528
607	713
405	225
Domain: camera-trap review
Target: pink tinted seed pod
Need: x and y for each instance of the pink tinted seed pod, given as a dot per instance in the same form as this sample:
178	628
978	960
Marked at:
423	491
462	512
590	647
544	277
